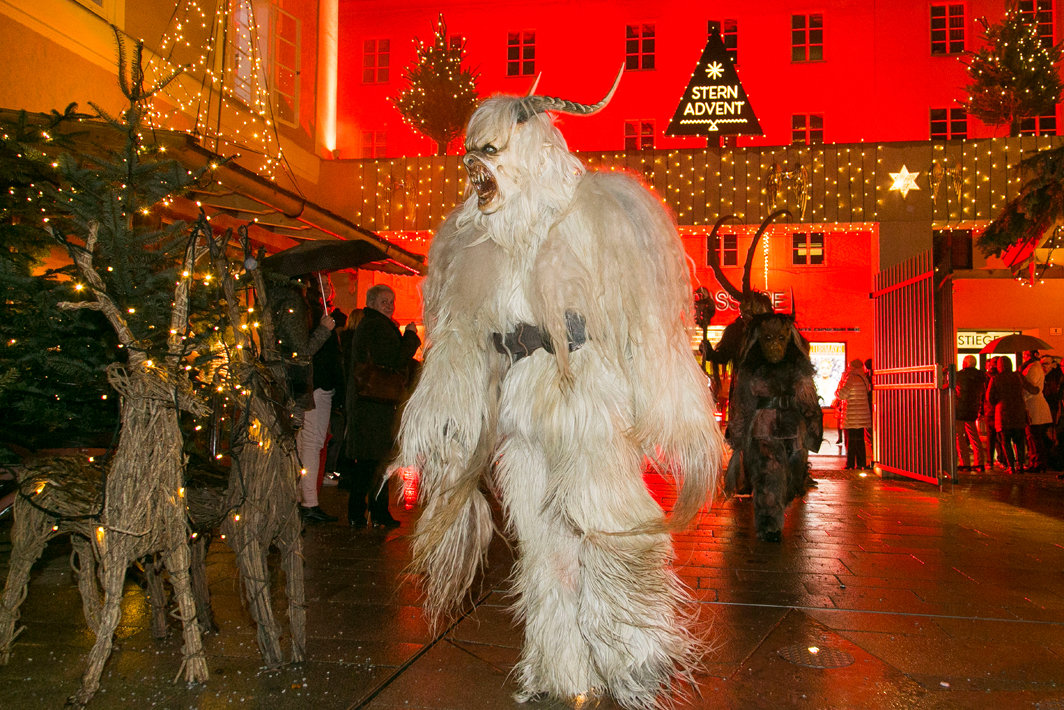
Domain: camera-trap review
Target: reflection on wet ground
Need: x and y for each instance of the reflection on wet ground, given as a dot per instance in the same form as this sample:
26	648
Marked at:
883	594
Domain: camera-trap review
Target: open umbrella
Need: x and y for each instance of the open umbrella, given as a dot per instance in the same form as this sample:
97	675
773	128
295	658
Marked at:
1015	343
323	255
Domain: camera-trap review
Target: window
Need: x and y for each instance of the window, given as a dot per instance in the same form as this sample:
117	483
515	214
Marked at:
520	54
807	248
1038	126
376	61
638	135
947	28
807	129
726	247
284	66
1040	13
807	38
373	144
639	47
948	124
729	34
242	66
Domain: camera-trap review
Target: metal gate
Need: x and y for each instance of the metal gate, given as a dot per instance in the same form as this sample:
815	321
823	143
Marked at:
913	404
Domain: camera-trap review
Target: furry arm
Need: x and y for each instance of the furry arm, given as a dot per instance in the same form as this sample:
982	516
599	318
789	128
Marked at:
447	427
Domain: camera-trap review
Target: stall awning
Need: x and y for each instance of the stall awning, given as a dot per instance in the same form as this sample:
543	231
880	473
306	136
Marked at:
276	217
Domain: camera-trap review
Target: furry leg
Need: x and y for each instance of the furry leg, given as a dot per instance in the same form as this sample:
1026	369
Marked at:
603	611
769	470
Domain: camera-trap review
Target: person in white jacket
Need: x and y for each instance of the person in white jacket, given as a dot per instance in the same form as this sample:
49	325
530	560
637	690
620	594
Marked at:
1039	418
852	394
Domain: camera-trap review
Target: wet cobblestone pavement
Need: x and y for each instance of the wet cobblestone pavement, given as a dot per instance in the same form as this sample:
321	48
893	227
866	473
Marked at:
911	597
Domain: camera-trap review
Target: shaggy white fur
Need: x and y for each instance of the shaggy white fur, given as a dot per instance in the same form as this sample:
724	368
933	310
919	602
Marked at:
562	437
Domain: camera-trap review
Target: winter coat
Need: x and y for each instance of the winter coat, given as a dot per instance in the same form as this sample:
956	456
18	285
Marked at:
371	426
971	390
853	393
1006	395
1035	402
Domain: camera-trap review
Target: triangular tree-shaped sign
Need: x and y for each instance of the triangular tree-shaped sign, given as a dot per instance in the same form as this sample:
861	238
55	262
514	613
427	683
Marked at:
715	102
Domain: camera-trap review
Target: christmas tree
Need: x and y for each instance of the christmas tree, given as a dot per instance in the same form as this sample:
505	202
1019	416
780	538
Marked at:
441	95
107	191
1039	205
52	379
1014	76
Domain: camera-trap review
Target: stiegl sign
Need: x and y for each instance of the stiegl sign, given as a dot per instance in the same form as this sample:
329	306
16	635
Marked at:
714	102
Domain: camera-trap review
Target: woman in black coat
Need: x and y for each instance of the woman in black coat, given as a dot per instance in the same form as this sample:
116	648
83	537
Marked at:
1010	413
371	422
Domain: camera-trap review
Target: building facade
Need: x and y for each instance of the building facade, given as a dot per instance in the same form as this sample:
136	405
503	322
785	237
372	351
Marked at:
864	139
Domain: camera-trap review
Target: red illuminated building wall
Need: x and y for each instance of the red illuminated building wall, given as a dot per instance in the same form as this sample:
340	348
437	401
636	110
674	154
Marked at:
836	71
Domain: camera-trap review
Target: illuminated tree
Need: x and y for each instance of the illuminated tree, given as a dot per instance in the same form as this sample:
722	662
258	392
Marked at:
1038	207
440	95
52	379
1014	75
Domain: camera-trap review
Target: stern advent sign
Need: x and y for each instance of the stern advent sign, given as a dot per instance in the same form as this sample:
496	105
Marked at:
715	102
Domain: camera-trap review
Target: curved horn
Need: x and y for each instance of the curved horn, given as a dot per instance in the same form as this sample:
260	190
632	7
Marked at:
714	259
532	91
531	105
753	245
794	310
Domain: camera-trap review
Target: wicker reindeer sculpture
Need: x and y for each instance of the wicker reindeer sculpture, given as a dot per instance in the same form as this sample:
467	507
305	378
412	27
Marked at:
261	504
258	508
774	416
138	507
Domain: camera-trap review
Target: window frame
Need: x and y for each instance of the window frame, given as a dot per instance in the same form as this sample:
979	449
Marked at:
726	248
1046	125
374	144
379	72
807	133
277	95
640	47
1041	16
639	134
948	122
942	41
524	64
807	40
807	246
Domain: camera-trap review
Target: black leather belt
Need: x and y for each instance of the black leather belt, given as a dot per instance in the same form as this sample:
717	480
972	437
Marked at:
526	338
780	402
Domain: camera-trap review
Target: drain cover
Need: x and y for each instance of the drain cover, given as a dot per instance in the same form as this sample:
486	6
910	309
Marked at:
814	656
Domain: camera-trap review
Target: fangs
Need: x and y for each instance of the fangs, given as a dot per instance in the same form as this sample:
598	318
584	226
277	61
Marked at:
482	181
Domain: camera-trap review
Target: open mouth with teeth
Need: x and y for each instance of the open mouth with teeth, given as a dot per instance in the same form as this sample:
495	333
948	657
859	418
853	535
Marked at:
482	181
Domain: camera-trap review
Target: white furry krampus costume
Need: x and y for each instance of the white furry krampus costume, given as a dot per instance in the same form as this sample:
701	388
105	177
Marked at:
555	306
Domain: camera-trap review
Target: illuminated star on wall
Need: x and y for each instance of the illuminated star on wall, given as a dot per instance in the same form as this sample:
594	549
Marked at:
904	181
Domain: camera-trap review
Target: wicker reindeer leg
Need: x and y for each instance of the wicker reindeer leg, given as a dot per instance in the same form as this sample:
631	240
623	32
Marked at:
176	559
114	575
153	576
290	543
83	562
29	533
200	591
251	557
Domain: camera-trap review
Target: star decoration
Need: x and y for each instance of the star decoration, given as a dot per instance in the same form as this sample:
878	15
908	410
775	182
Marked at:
904	181
714	70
